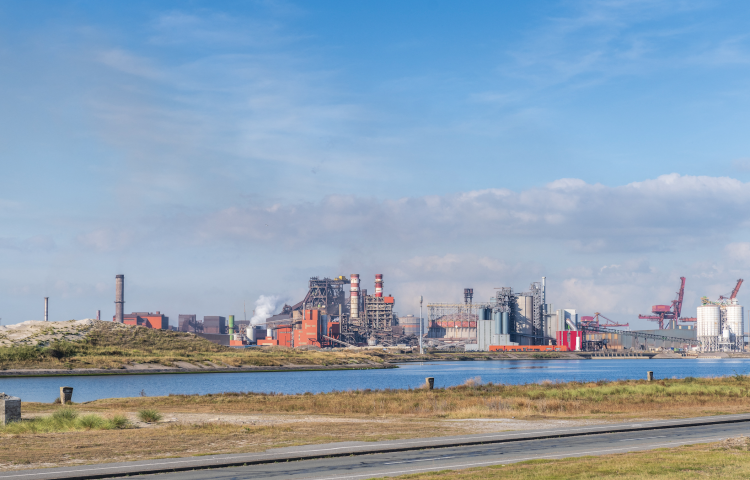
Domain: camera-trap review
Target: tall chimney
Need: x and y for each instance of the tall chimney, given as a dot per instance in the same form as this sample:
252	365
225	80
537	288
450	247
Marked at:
379	285
98	314
119	297
354	311
46	309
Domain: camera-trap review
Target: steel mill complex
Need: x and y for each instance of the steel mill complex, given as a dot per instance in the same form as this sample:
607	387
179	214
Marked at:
338	312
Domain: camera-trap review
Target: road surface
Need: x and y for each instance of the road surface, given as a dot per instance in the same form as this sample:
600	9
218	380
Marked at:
355	460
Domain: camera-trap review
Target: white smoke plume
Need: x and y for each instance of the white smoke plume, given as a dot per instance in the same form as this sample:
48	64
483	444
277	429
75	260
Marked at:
265	306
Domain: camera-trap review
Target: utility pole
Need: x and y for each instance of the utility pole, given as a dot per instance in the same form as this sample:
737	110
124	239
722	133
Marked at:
421	327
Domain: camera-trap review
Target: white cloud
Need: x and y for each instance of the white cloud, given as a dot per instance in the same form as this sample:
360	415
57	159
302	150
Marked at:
652	215
739	252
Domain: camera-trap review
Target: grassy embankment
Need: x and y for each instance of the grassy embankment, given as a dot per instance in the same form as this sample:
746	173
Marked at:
729	459
111	346
621	399
285	420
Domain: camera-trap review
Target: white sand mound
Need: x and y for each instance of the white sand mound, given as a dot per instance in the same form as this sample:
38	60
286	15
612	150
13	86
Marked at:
36	332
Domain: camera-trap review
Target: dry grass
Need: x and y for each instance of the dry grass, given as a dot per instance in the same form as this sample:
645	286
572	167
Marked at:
111	346
40	450
724	460
612	400
371	418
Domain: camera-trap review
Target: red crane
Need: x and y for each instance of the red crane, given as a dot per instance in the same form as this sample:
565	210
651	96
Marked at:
594	321
667	312
734	292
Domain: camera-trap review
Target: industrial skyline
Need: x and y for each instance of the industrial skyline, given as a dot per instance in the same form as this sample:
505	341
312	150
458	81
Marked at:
216	153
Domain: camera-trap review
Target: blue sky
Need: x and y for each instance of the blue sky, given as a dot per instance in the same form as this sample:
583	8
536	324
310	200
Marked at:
214	152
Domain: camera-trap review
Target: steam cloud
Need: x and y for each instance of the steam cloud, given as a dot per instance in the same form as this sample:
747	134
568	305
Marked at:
265	306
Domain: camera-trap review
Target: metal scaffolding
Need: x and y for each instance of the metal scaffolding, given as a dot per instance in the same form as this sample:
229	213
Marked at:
454	311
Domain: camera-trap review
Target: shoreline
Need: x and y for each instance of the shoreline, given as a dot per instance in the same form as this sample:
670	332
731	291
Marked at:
92	372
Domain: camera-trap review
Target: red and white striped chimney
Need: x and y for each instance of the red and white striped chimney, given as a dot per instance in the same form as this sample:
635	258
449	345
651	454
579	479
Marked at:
354	311
378	284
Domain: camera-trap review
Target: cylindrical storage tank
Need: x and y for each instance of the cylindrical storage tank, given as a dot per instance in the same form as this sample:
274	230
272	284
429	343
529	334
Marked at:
250	333
231	327
735	320
269	333
354	309
505	323
709	319
379	285
410	324
497	320
524	318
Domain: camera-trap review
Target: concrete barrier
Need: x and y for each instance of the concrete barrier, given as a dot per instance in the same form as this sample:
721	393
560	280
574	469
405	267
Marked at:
10	407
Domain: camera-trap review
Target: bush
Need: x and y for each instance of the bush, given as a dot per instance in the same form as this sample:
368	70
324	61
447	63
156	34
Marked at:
92	422
61	349
119	421
149	415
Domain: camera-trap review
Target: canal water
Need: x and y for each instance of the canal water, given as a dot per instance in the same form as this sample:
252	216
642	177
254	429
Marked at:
412	375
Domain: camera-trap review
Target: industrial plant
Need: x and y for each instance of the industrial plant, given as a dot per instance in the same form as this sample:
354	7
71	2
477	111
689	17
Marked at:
721	325
338	312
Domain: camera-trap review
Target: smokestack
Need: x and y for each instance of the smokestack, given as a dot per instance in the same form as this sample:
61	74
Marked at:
119	297
98	314
379	285
354	311
544	291
46	309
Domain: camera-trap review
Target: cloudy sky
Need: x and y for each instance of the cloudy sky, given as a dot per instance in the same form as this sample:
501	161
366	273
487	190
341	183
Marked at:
215	151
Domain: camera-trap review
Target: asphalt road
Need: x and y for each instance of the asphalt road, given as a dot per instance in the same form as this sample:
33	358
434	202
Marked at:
362	460
402	463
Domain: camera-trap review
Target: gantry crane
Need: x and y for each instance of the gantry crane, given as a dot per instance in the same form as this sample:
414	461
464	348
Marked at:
668	312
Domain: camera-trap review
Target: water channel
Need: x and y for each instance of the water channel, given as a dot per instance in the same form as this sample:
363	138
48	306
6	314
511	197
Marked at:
411	375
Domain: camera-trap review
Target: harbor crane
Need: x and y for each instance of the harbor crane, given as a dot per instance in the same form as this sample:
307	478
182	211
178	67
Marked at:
659	313
734	293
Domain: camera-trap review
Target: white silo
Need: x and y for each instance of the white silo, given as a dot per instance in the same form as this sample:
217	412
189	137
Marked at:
709	326
734	322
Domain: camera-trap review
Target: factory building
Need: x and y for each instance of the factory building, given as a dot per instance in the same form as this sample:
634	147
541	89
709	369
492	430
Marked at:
145	319
214	324
346	314
188	323
509	318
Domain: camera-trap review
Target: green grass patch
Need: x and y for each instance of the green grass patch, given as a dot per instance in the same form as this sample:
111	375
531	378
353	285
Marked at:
64	420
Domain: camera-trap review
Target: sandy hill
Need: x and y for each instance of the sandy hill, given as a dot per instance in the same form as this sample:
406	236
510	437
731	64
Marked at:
35	332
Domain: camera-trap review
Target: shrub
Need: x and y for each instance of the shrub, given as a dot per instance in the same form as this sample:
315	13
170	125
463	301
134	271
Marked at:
92	421
119	421
61	349
149	415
